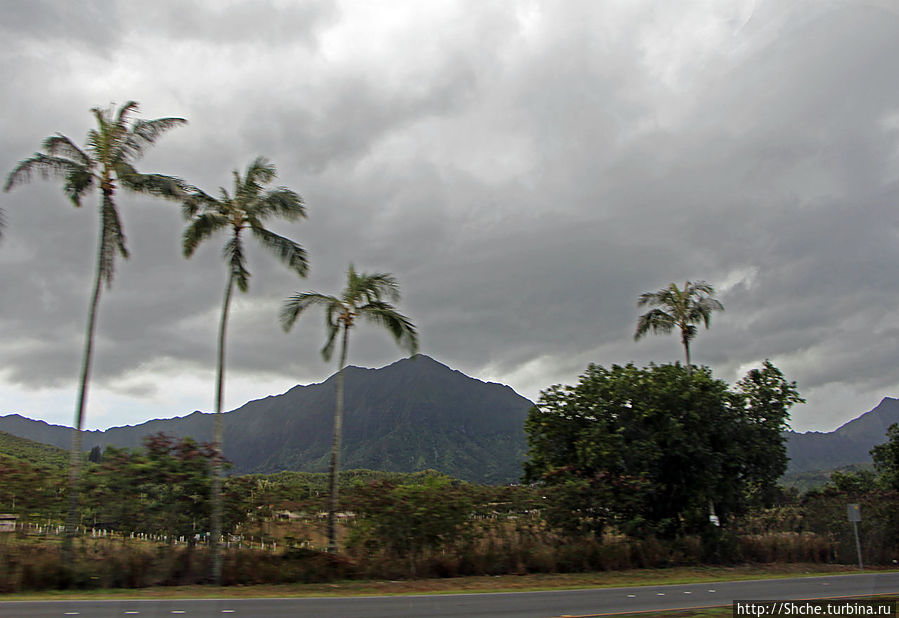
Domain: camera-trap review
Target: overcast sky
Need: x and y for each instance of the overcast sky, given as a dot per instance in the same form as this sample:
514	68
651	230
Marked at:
525	169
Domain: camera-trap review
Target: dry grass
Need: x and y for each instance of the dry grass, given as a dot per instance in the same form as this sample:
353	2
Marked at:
505	583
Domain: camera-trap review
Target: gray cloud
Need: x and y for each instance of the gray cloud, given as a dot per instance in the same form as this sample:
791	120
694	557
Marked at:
525	169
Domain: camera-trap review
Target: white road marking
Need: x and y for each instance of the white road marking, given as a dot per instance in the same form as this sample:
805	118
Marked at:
227	611
132	612
178	611
660	594
632	596
713	590
687	592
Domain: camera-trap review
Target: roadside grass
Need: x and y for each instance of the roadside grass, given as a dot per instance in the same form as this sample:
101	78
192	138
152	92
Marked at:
456	585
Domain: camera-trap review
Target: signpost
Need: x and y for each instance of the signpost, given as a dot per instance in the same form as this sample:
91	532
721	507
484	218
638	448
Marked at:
855	516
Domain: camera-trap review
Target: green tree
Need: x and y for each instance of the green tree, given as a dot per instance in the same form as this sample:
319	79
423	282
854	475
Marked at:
367	296
762	400
649	450
407	520
676	308
162	488
886	459
246	209
106	163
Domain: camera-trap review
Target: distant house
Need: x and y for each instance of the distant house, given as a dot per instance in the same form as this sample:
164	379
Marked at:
8	522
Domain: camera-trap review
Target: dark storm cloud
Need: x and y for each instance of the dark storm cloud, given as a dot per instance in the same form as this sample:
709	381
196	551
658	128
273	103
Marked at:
525	170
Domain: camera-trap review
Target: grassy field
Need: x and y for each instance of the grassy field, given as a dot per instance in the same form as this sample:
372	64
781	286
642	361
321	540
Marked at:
33	452
506	583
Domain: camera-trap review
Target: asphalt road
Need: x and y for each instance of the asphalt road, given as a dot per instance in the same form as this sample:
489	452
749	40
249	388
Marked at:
554	604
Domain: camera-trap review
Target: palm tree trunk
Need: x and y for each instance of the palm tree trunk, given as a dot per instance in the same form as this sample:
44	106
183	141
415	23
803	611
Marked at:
335	448
687	353
216	516
75	455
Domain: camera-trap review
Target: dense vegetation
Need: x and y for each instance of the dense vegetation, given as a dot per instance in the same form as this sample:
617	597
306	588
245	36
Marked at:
145	516
658	450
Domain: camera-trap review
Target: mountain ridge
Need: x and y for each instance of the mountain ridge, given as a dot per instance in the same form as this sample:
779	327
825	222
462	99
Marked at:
848	444
414	414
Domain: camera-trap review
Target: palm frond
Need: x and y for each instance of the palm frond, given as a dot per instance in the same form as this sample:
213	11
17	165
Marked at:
158	185
60	145
144	133
653	298
655	321
698	288
381	286
289	252
233	253
365	288
113	239
328	349
688	333
281	202
259	173
298	303
96	144
401	327
45	166
150	130
125	111
78	181
201	227
196	200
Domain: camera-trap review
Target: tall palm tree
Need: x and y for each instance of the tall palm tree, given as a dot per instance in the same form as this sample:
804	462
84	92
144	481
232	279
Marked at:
244	210
367	296
680	308
107	163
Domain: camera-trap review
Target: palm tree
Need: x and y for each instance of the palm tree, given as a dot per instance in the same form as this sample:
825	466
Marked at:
246	209
368	296
682	309
107	163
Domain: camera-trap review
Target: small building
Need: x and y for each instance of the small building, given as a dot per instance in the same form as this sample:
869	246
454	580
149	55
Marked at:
8	522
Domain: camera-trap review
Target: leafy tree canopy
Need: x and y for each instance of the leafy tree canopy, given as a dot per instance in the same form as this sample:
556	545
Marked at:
651	450
886	459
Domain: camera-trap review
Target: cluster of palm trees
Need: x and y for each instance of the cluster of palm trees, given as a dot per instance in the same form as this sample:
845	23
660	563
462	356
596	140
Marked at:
107	163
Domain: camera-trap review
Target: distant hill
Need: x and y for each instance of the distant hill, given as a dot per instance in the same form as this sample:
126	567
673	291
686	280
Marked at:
22	449
412	415
847	445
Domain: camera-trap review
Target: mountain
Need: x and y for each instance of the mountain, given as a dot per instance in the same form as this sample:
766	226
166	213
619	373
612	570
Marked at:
847	445
412	415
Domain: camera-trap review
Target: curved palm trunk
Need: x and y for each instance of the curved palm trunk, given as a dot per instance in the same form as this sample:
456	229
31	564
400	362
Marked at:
216	516
75	455
335	448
